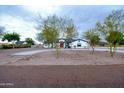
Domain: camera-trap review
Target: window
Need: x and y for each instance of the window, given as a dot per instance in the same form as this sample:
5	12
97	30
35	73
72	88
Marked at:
79	45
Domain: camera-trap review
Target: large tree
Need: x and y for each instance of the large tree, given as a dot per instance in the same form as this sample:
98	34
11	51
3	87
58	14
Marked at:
112	29
11	37
93	37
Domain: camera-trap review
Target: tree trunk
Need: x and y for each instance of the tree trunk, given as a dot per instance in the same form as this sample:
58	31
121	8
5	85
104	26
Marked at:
92	49
52	45
111	50
13	45
57	52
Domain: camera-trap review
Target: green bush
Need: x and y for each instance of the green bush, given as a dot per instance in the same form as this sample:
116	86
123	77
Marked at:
10	46
7	46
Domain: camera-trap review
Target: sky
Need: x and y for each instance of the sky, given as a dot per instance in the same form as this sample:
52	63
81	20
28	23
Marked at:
22	19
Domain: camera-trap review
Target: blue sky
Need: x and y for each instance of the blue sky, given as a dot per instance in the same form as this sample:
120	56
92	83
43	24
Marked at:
21	19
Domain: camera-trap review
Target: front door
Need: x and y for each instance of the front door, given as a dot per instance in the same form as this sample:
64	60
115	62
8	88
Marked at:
61	44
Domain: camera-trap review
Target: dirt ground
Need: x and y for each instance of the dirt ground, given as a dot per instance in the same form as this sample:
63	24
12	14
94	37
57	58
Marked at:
66	57
72	69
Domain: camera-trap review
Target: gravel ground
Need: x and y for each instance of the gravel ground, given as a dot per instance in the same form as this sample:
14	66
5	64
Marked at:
72	69
66	57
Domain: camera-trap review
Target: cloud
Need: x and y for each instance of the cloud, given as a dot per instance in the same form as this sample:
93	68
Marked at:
21	18
86	16
43	10
19	25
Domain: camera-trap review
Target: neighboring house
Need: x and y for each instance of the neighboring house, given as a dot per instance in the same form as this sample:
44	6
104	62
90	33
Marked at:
20	42
79	43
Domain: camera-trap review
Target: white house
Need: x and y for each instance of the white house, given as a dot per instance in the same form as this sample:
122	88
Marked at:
73	43
79	43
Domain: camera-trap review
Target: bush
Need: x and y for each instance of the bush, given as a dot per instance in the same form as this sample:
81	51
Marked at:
7	46
10	46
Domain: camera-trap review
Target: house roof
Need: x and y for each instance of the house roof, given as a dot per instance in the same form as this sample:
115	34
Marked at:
20	42
70	40
79	40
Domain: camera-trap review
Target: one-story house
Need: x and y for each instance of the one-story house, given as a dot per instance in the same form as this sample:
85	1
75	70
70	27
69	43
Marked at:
79	43
72	43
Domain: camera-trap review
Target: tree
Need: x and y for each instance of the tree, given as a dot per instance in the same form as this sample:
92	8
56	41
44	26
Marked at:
59	23
93	38
71	31
113	25
51	21
11	37
50	35
52	28
29	41
114	38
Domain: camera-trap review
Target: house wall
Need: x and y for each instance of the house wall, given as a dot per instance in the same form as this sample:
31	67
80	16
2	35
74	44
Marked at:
76	43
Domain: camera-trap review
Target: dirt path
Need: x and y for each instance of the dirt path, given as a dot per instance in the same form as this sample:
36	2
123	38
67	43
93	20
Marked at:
32	52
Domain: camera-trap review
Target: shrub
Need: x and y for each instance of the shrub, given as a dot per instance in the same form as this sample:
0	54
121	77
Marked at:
10	46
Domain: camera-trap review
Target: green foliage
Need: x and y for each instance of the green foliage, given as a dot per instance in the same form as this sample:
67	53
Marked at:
10	46
11	37
112	29
63	25
50	34
122	41
29	41
93	38
114	39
